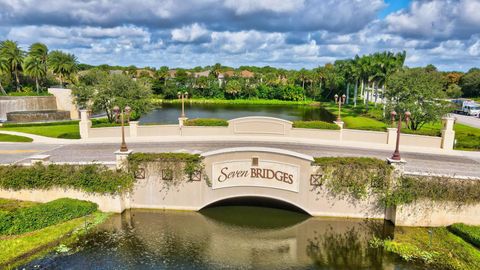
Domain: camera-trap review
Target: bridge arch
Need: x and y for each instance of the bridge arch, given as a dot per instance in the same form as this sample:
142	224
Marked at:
256	200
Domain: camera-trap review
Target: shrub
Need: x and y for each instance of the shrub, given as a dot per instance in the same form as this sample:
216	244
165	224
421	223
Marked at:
468	233
315	125
206	122
43	215
90	178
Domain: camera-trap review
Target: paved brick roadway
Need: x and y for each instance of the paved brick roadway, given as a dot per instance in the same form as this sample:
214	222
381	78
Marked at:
468	165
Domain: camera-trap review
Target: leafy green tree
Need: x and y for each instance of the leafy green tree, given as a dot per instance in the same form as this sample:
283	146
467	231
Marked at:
64	65
13	54
290	92
454	91
418	90
115	90
233	87
470	83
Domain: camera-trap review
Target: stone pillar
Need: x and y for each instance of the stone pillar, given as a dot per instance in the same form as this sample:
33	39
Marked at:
121	159
391	136
448	134
85	123
133	128
181	120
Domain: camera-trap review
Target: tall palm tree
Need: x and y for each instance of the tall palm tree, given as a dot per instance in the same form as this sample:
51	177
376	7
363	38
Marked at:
14	55
40	51
3	69
64	65
356	73
35	68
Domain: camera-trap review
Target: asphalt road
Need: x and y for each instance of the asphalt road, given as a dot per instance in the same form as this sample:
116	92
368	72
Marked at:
468	165
468	120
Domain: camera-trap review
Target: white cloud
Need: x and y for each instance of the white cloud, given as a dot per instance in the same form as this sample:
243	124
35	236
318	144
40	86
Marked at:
189	33
242	7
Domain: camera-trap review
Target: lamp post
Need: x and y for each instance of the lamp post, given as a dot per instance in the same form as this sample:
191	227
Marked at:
183	96
393	114
340	101
126	111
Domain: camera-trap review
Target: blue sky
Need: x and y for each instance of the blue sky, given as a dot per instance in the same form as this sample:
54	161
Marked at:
282	33
392	6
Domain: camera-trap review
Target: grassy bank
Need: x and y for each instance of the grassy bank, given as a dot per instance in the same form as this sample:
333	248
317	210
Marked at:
158	101
13	138
436	248
469	233
20	248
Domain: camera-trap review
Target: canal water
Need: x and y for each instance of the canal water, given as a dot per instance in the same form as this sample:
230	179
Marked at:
227	237
169	113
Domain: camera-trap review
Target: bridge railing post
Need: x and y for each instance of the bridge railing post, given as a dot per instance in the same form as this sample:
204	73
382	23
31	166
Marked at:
133	128
391	136
85	123
448	134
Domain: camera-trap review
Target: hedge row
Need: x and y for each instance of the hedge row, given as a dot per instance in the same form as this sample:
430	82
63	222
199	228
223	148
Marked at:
206	122
315	125
89	178
468	233
43	215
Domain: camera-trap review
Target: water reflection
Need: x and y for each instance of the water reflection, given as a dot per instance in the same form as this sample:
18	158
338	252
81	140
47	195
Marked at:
169	113
146	239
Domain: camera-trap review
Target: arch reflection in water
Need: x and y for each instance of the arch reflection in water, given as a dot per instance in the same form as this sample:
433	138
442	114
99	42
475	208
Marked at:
146	239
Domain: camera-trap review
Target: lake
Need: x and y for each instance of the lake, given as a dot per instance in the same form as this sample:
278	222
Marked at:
227	237
169	113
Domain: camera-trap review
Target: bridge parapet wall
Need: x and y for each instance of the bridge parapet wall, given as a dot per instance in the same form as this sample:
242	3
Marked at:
270	127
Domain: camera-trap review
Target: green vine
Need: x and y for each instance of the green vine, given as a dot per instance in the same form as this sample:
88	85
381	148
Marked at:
351	176
433	188
181	164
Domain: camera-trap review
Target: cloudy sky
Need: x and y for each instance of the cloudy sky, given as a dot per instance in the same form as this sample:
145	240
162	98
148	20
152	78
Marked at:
282	33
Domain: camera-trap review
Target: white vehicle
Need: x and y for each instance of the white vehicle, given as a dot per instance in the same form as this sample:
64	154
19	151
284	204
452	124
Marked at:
467	107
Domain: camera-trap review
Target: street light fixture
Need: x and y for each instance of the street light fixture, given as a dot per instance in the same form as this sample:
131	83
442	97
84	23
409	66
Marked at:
393	114
340	101
183	96
122	113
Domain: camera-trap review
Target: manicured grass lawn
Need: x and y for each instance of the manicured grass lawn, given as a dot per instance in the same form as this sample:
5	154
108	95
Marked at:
13	138
443	250
364	123
69	131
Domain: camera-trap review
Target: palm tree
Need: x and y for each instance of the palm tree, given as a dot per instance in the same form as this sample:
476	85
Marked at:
356	72
14	55
64	65
163	74
3	70
40	51
35	68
